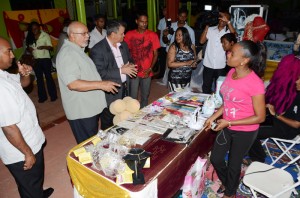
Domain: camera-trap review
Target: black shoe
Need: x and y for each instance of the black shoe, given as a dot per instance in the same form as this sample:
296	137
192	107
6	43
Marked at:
48	192
53	99
221	189
42	100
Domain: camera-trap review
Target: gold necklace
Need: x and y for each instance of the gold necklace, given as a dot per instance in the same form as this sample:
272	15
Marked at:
236	76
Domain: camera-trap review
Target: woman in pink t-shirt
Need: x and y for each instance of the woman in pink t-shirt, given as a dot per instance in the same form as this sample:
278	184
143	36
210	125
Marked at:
243	109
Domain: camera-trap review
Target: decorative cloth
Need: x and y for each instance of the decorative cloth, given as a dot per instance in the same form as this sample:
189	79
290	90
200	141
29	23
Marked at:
256	30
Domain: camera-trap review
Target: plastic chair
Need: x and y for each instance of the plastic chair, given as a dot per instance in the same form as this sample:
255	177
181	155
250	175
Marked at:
285	146
271	181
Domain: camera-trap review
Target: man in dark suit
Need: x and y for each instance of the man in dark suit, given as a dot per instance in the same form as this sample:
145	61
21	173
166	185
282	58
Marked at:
113	61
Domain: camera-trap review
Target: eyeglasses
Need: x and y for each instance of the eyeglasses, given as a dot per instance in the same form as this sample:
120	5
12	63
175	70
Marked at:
82	33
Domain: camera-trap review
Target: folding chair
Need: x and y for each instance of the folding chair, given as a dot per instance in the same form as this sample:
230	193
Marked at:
285	146
271	181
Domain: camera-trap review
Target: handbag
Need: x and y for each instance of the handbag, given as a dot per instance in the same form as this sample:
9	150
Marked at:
194	181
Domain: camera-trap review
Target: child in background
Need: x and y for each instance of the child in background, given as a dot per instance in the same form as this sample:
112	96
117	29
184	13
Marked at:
228	40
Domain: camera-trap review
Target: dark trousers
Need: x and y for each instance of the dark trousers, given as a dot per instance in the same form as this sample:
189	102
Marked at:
29	182
210	76
237	143
84	128
162	57
43	67
277	130
144	84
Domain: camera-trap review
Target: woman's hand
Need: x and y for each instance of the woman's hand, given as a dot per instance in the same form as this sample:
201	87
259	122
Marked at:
190	62
271	109
208	123
221	124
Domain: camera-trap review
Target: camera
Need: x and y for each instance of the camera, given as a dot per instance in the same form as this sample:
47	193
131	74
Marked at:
169	24
211	17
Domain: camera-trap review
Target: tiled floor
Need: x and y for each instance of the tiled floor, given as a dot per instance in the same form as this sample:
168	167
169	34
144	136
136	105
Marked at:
59	141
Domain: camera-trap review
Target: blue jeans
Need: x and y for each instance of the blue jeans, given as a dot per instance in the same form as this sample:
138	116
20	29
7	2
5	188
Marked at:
144	84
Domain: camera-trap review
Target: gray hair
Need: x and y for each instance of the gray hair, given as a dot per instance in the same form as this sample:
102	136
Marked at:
113	26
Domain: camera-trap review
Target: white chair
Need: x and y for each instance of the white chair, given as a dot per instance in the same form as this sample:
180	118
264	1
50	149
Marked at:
271	181
285	146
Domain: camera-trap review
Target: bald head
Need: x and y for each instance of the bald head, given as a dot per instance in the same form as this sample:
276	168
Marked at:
6	55
78	33
3	42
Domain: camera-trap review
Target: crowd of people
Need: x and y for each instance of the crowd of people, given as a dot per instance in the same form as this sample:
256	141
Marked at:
119	64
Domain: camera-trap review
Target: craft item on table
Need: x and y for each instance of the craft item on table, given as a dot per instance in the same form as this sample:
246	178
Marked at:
197	121
256	30
173	110
96	140
117	106
111	163
121	149
173	97
155	109
208	107
126	141
132	105
85	158
101	134
79	151
180	134
145	131
125	176
124	109
136	159
190	100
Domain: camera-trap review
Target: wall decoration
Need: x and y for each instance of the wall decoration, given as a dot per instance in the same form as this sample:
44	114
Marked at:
239	14
278	49
17	22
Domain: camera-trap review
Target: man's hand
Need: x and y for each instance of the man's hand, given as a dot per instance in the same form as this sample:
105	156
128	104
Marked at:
24	70
223	17
109	86
147	72
129	69
166	32
29	161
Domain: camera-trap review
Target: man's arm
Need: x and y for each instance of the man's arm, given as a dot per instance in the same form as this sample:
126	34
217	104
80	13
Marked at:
203	38
292	123
154	59
83	85
15	137
24	71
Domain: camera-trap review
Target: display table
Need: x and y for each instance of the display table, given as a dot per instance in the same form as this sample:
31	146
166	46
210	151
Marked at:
169	162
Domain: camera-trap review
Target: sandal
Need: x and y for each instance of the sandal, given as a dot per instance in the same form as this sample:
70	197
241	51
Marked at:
221	189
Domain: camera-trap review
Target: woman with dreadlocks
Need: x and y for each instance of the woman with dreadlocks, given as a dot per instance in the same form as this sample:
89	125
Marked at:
283	102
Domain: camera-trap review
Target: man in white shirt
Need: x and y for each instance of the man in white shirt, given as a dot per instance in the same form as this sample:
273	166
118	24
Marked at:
215	58
162	25
98	33
21	138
